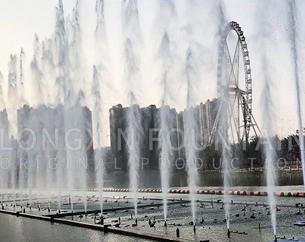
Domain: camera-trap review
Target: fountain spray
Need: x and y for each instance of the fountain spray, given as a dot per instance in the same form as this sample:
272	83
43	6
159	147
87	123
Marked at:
132	70
292	17
191	129
165	55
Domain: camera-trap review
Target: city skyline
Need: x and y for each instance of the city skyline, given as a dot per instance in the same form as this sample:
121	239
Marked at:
196	25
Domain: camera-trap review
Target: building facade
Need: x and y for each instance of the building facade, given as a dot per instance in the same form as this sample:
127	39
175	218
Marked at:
150	132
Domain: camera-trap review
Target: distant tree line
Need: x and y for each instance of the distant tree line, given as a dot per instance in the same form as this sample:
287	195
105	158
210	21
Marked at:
251	155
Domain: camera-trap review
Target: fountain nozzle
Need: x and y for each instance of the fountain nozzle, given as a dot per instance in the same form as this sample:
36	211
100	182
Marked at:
275	238
165	224
194	228
229	233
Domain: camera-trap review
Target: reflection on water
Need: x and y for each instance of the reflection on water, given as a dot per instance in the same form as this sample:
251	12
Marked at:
21	229
151	178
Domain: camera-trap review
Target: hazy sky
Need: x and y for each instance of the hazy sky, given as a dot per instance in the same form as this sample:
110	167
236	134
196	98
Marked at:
195	24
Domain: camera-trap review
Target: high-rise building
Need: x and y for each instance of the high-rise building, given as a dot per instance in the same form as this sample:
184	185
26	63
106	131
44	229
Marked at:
51	136
149	132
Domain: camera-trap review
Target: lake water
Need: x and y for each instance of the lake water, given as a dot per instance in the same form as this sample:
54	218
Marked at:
19	229
214	228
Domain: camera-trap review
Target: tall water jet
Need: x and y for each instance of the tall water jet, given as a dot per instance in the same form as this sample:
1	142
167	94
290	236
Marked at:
5	154
55	146
4	132
63	96
100	75
165	15
269	150
269	117
191	129
71	81
134	134
222	137
165	154
3	122
12	116
292	17
36	122
98	153
132	70
13	167
77	86
51	147
22	100
166	151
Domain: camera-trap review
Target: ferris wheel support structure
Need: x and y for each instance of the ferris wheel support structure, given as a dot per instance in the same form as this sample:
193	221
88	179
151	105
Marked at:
235	102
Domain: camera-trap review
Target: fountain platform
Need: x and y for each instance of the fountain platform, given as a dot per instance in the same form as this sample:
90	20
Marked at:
291	239
116	209
105	228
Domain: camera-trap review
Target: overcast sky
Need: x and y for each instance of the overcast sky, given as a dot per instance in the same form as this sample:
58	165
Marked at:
264	23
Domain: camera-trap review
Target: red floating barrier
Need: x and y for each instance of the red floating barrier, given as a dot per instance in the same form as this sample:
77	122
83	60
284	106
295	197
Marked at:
280	194
296	194
287	194
243	193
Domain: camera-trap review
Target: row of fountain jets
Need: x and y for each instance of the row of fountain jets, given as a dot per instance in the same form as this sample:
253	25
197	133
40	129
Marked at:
59	59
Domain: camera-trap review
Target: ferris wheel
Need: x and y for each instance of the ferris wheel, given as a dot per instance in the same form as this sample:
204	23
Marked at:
234	87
